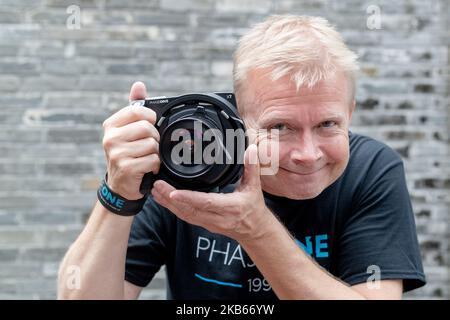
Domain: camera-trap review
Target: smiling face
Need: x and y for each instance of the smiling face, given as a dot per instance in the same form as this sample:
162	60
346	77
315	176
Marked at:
313	130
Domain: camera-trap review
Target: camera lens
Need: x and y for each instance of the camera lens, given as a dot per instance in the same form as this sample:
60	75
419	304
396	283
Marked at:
202	141
182	150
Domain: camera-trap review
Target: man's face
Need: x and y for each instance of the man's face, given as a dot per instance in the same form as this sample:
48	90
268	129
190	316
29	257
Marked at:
313	130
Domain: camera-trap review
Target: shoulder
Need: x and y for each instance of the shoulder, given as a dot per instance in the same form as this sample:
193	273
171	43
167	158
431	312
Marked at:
372	165
368	155
364	149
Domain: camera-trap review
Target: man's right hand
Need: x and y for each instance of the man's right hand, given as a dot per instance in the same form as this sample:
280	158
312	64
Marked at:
131	144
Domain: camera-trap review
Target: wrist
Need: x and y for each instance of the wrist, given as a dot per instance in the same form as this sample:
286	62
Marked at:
268	226
120	187
116	203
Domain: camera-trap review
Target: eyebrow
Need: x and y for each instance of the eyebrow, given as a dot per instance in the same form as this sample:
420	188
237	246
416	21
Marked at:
276	118
336	117
285	118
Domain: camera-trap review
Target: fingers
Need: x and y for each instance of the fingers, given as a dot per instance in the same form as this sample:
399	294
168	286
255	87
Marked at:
128	115
128	166
146	164
135	149
131	114
118	139
138	91
161	193
213	202
137	130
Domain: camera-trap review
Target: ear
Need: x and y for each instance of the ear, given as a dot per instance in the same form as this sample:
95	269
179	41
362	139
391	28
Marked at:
352	108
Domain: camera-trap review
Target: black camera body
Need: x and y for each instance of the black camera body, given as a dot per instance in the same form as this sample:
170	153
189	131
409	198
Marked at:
202	141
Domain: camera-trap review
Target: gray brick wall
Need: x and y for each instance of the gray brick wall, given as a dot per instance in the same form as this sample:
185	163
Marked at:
57	85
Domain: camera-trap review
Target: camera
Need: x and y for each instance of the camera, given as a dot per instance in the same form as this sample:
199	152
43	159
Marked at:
202	141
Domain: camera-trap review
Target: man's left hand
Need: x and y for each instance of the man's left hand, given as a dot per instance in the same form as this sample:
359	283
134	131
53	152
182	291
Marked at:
241	215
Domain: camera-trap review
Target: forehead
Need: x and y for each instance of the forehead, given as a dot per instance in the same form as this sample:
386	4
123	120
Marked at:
261	95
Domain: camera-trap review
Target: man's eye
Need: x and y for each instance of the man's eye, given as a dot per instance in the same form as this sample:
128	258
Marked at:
279	126
328	124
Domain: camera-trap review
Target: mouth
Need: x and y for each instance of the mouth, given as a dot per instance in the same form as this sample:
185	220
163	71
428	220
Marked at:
305	173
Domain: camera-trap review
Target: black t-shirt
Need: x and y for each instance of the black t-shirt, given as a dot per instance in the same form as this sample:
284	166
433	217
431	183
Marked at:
361	224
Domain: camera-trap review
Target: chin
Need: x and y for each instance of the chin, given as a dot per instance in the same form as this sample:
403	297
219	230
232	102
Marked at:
303	195
295	186
300	187
291	192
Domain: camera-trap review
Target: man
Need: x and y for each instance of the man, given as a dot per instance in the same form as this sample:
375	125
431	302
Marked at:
335	216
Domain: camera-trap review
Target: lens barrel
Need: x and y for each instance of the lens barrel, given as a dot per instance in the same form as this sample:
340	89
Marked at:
202	141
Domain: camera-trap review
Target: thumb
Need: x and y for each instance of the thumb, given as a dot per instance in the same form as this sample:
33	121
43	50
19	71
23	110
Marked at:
251	167
138	91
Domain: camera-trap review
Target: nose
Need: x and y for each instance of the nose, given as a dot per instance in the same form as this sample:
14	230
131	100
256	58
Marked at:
306	152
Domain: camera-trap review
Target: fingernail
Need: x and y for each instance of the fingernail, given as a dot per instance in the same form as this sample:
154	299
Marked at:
174	195
157	184
155	193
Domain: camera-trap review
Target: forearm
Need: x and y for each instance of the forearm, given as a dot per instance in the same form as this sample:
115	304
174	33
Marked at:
99	254
291	273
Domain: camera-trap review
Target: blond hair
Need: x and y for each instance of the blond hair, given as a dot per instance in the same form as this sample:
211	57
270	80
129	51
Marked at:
307	48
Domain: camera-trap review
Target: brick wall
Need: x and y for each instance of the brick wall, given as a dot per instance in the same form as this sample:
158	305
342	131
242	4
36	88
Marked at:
58	83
